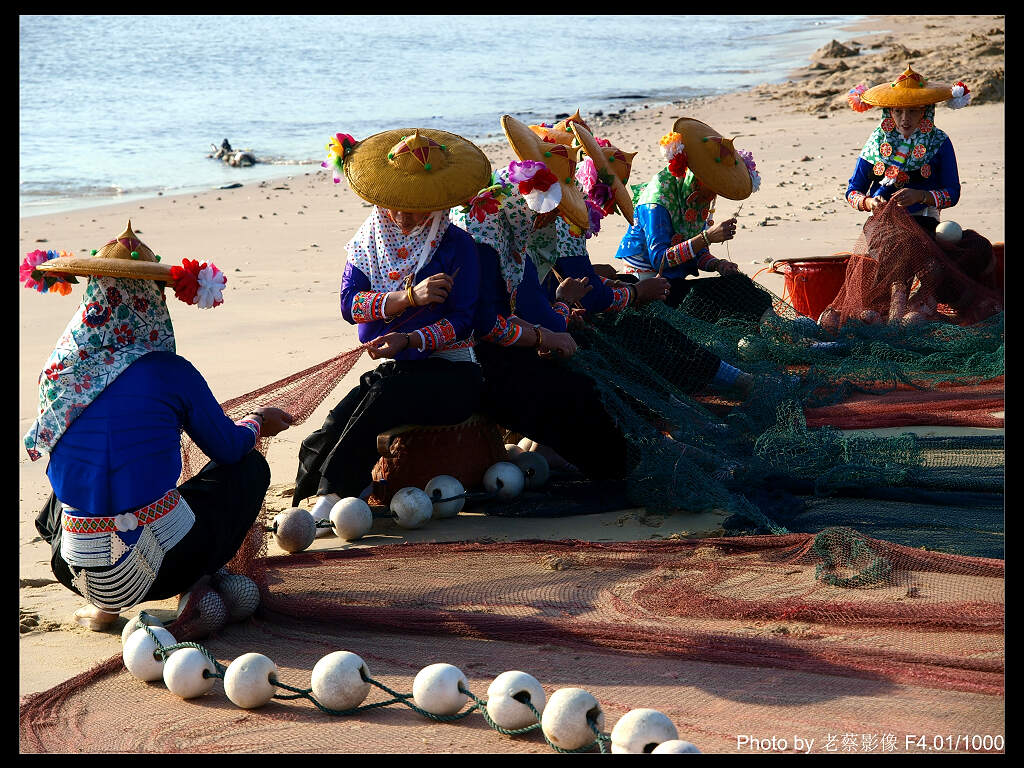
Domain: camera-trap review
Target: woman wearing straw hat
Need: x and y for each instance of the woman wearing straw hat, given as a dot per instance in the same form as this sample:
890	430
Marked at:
907	159
410	285
520	224
673	230
113	399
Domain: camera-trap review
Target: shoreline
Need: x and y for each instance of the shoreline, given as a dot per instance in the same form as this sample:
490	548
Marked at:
281	243
627	107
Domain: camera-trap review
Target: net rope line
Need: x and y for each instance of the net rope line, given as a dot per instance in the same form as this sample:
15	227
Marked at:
601	739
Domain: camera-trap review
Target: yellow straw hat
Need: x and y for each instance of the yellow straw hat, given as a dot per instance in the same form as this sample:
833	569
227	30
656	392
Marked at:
125	256
610	162
559	132
560	161
713	159
908	90
416	169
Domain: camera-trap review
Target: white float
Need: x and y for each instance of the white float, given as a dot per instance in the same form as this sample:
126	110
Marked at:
136	623
337	682
676	747
567	718
138	655
503	699
639	731
352	518
445	487
436	689
294	529
505	479
949	232
534	467
513	450
322	511
240	594
247	681
183	673
411	507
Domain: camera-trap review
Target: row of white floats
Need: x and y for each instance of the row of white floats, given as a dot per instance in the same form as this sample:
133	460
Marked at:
444	496
339	682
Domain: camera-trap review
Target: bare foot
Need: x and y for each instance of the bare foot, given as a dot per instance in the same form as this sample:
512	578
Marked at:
91	617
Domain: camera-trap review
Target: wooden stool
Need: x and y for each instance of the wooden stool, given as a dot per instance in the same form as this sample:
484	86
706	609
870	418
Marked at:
413	454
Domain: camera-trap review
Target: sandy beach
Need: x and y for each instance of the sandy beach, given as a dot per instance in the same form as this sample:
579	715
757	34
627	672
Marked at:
281	245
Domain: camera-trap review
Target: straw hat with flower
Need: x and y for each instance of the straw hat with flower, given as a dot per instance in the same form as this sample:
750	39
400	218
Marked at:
909	90
412	169
545	173
125	257
613	167
713	159
560	132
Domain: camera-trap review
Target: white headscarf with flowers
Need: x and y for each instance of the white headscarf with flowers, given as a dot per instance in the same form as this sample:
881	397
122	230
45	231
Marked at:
387	256
118	321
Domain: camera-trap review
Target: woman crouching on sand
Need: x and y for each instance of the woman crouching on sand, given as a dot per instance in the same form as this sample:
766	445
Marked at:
673	229
113	400
410	285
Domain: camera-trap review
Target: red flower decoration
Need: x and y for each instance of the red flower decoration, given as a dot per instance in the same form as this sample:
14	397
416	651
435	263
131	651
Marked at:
481	206
690	215
124	334
888	125
53	372
541	181
926	171
86	383
705	213
154	335
678	164
109	359
393	276
113	296
82	354
892	171
878	168
403	252
926	125
919	151
140	303
885	150
186	279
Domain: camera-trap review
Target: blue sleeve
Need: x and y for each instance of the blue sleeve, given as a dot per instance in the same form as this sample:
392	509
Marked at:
460	306
862	178
352	282
658	231
205	421
531	303
487	310
597	300
949	174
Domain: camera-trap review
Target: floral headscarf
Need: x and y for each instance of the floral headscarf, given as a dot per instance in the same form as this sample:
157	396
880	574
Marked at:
387	256
501	219
118	321
886	139
688	219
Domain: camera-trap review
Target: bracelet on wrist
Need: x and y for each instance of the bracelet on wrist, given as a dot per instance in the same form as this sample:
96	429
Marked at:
704	234
540	337
411	296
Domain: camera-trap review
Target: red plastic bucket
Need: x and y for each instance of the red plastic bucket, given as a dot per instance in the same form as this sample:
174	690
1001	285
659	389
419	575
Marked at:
812	285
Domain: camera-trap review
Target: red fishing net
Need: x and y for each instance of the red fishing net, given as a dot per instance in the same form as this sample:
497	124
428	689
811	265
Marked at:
816	636
898	274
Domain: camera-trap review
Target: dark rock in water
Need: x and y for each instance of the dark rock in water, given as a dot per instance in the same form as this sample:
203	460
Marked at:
630	96
599	113
561	115
835	50
236	185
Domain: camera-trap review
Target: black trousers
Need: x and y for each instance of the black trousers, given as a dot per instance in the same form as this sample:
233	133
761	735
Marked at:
339	457
226	499
554	405
713	298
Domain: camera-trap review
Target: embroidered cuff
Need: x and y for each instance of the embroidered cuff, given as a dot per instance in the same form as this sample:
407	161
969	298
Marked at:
678	254
620	297
856	200
437	335
705	261
942	198
250	424
504	333
561	308
368	306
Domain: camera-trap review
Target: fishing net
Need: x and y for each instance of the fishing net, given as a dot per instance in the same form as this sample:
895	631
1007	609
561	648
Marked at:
828	637
900	275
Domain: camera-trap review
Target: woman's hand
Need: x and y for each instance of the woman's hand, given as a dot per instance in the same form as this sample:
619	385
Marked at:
722	232
577	318
274	420
388	345
724	267
870	203
573	289
652	289
906	197
433	290
558	344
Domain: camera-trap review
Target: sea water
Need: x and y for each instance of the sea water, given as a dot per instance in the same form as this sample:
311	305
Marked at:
115	107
